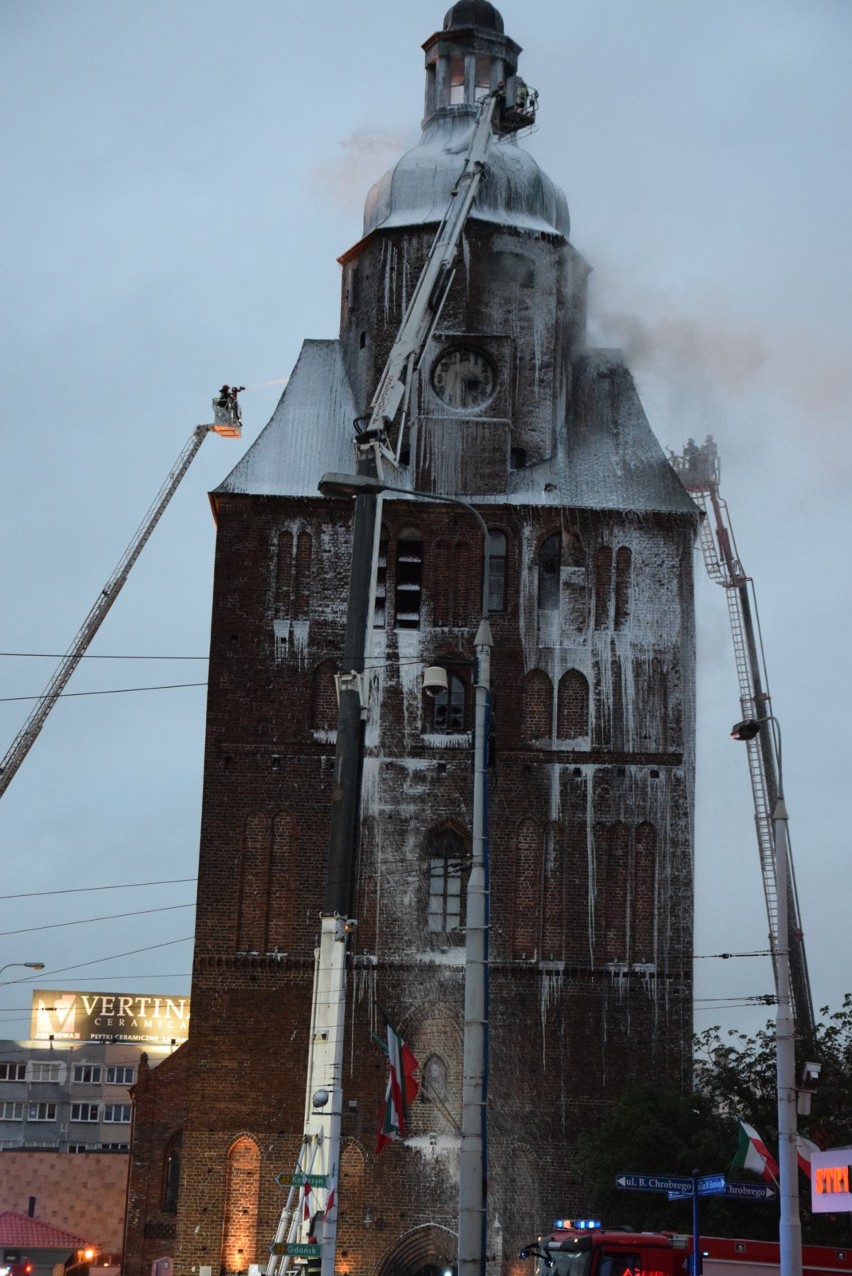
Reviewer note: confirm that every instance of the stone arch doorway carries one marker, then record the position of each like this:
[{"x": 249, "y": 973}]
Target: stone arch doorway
[{"x": 424, "y": 1251}]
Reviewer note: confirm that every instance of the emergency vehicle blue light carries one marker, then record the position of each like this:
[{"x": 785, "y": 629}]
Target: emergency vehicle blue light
[{"x": 578, "y": 1224}]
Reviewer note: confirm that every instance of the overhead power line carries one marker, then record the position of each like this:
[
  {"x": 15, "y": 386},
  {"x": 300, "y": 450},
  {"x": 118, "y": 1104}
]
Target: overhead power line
[
  {"x": 84, "y": 921},
  {"x": 121, "y": 886},
  {"x": 117, "y": 691},
  {"x": 58, "y": 655}
]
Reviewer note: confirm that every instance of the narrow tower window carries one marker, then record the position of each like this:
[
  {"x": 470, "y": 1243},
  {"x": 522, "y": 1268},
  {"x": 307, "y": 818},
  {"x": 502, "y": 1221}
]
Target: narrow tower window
[
  {"x": 548, "y": 574},
  {"x": 447, "y": 874},
  {"x": 622, "y": 586},
  {"x": 497, "y": 551},
  {"x": 409, "y": 579}
]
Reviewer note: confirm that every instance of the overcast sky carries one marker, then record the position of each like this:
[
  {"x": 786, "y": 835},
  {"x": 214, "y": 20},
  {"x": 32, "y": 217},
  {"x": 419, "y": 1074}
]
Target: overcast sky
[{"x": 179, "y": 181}]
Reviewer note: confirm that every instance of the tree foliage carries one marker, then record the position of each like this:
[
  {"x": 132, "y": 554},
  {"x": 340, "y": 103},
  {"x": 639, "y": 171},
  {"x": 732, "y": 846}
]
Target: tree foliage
[{"x": 656, "y": 1131}]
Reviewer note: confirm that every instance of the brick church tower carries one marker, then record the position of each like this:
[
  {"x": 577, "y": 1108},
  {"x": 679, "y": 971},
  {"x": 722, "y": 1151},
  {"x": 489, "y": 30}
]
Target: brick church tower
[{"x": 591, "y": 764}]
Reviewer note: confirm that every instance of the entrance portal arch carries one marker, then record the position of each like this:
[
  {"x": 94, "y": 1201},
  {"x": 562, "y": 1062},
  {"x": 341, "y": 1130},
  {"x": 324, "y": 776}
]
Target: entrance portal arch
[{"x": 429, "y": 1250}]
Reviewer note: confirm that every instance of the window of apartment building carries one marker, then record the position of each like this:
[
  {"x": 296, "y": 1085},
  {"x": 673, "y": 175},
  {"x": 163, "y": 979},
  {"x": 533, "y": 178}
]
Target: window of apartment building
[
  {"x": 121, "y": 1075},
  {"x": 79, "y": 1147},
  {"x": 114, "y": 1147},
  {"x": 11, "y": 1111},
  {"x": 13, "y": 1071},
  {"x": 42, "y": 1112},
  {"x": 87, "y": 1073},
  {"x": 117, "y": 1113},
  {"x": 45, "y": 1072},
  {"x": 84, "y": 1111}
]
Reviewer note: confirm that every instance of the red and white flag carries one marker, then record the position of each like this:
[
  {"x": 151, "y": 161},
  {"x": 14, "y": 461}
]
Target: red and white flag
[
  {"x": 804, "y": 1151},
  {"x": 753, "y": 1154},
  {"x": 400, "y": 1092}
]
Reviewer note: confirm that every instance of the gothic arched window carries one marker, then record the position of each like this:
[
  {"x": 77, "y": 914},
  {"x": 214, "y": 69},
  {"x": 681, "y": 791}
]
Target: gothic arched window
[
  {"x": 448, "y": 707},
  {"x": 497, "y": 553},
  {"x": 171, "y": 1174},
  {"x": 448, "y": 869},
  {"x": 239, "y": 1228},
  {"x": 549, "y": 556},
  {"x": 537, "y": 715},
  {"x": 409, "y": 579},
  {"x": 572, "y": 708},
  {"x": 623, "y": 561}
]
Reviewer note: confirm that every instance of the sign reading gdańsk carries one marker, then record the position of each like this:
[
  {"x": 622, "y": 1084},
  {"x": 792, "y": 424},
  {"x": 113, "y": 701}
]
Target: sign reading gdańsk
[
  {"x": 106, "y": 1016},
  {"x": 831, "y": 1181}
]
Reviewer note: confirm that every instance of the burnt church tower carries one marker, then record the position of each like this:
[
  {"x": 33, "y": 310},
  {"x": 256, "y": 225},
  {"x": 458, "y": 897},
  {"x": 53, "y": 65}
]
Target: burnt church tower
[{"x": 591, "y": 538}]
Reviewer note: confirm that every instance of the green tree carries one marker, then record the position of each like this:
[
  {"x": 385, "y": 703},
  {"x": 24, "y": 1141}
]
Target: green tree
[{"x": 655, "y": 1131}]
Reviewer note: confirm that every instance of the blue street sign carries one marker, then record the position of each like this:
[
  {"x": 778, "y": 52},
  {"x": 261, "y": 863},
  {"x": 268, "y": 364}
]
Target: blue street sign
[
  {"x": 653, "y": 1183},
  {"x": 711, "y": 1184},
  {"x": 751, "y": 1191}
]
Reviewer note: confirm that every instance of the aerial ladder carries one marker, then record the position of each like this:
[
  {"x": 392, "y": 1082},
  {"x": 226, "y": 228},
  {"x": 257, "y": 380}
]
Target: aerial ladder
[
  {"x": 698, "y": 468},
  {"x": 307, "y": 1227},
  {"x": 228, "y": 424}
]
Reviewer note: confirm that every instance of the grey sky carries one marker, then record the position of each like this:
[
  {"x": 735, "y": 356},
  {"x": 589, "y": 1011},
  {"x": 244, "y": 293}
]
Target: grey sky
[{"x": 179, "y": 182}]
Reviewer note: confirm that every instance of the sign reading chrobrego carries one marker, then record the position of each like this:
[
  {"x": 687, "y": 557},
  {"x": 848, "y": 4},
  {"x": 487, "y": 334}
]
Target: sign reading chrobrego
[{"x": 107, "y": 1016}]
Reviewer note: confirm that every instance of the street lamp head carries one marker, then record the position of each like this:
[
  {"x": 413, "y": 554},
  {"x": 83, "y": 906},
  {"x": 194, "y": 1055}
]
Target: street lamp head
[
  {"x": 745, "y": 730},
  {"x": 350, "y": 485},
  {"x": 34, "y": 965}
]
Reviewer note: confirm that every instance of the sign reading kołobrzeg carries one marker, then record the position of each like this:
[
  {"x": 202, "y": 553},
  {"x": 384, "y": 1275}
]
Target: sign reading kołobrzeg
[{"x": 106, "y": 1016}]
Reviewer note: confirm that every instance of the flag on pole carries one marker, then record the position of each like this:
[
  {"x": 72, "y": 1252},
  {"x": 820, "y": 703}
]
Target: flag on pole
[
  {"x": 400, "y": 1091},
  {"x": 753, "y": 1154},
  {"x": 804, "y": 1151}
]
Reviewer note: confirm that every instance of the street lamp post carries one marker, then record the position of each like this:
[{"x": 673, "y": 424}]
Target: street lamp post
[
  {"x": 789, "y": 1224},
  {"x": 30, "y": 965},
  {"x": 472, "y": 1160}
]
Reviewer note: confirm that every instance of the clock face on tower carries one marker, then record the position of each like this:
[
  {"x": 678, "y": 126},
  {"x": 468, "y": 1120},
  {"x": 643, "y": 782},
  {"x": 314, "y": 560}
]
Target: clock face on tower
[{"x": 463, "y": 378}]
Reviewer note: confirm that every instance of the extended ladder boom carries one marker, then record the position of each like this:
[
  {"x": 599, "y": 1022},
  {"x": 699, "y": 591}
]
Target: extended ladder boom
[
  {"x": 432, "y": 287},
  {"x": 28, "y": 733},
  {"x": 698, "y": 468}
]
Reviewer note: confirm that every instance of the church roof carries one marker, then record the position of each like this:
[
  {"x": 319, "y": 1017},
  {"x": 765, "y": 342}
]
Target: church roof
[
  {"x": 310, "y": 431},
  {"x": 605, "y": 457},
  {"x": 514, "y": 192}
]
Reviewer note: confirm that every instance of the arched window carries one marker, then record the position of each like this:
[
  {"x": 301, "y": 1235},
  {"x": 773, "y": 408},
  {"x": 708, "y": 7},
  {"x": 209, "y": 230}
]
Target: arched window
[
  {"x": 537, "y": 715},
  {"x": 324, "y": 697},
  {"x": 527, "y": 903},
  {"x": 380, "y": 609},
  {"x": 603, "y": 586},
  {"x": 616, "y": 886},
  {"x": 448, "y": 869},
  {"x": 302, "y": 592},
  {"x": 284, "y": 574},
  {"x": 644, "y": 893},
  {"x": 572, "y": 707},
  {"x": 239, "y": 1230},
  {"x": 549, "y": 555},
  {"x": 434, "y": 1073},
  {"x": 253, "y": 884},
  {"x": 497, "y": 552},
  {"x": 449, "y": 707},
  {"x": 171, "y": 1174},
  {"x": 623, "y": 560},
  {"x": 409, "y": 579}
]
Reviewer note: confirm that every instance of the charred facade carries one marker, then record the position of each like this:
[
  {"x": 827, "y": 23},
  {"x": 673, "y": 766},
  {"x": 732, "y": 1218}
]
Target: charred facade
[{"x": 591, "y": 778}]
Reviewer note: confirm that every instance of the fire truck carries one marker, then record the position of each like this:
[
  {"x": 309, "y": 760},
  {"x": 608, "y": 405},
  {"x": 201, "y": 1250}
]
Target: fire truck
[{"x": 585, "y": 1247}]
